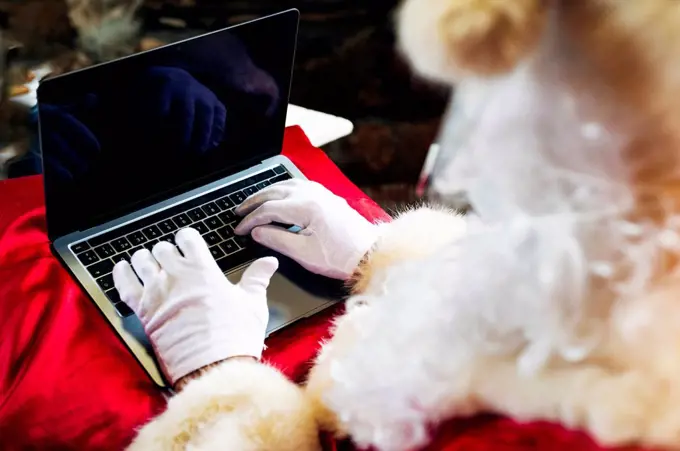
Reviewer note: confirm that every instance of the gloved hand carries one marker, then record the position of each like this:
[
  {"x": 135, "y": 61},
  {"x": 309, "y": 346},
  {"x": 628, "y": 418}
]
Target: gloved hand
[
  {"x": 192, "y": 314},
  {"x": 188, "y": 114},
  {"x": 68, "y": 146},
  {"x": 334, "y": 237}
]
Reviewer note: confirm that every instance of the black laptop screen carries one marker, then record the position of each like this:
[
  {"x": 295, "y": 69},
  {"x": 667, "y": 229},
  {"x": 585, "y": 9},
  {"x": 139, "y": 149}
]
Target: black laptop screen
[{"x": 123, "y": 135}]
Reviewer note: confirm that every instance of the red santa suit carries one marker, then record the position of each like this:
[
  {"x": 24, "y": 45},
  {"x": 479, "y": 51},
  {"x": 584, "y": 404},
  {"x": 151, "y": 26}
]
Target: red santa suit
[{"x": 554, "y": 301}]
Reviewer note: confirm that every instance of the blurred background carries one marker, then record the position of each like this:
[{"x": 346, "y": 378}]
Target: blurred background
[{"x": 346, "y": 65}]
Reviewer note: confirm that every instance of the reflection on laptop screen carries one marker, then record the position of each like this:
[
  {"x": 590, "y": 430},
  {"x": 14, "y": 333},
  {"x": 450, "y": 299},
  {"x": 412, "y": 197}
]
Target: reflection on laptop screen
[{"x": 124, "y": 135}]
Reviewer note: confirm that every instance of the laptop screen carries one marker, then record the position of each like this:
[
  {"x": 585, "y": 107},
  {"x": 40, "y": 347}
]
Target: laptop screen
[{"x": 126, "y": 134}]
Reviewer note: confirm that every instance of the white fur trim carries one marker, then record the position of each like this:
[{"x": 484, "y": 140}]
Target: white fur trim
[
  {"x": 414, "y": 233},
  {"x": 421, "y": 230},
  {"x": 238, "y": 405}
]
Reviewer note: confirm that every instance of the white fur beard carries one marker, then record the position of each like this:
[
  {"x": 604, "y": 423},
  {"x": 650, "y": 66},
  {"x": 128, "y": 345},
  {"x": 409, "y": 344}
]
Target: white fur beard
[{"x": 524, "y": 291}]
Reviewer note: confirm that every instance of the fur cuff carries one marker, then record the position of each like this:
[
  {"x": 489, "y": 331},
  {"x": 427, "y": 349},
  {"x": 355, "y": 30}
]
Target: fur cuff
[
  {"x": 413, "y": 234},
  {"x": 237, "y": 405}
]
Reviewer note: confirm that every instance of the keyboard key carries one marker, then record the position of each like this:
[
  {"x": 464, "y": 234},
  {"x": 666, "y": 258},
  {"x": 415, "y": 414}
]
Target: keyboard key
[
  {"x": 177, "y": 212},
  {"x": 213, "y": 223},
  {"x": 103, "y": 238},
  {"x": 227, "y": 216},
  {"x": 170, "y": 238},
  {"x": 136, "y": 238},
  {"x": 243, "y": 241},
  {"x": 121, "y": 257},
  {"x": 225, "y": 264},
  {"x": 99, "y": 269},
  {"x": 269, "y": 173},
  {"x": 123, "y": 310},
  {"x": 149, "y": 245},
  {"x": 182, "y": 220},
  {"x": 250, "y": 191},
  {"x": 167, "y": 226},
  {"x": 87, "y": 257},
  {"x": 279, "y": 170},
  {"x": 172, "y": 212},
  {"x": 237, "y": 198},
  {"x": 252, "y": 180},
  {"x": 105, "y": 251},
  {"x": 202, "y": 228},
  {"x": 113, "y": 296},
  {"x": 225, "y": 203},
  {"x": 196, "y": 214},
  {"x": 263, "y": 185},
  {"x": 226, "y": 232},
  {"x": 212, "y": 238},
  {"x": 236, "y": 259},
  {"x": 229, "y": 246},
  {"x": 80, "y": 247},
  {"x": 124, "y": 230},
  {"x": 280, "y": 178},
  {"x": 121, "y": 245},
  {"x": 216, "y": 252},
  {"x": 210, "y": 209},
  {"x": 152, "y": 232},
  {"x": 106, "y": 282}
]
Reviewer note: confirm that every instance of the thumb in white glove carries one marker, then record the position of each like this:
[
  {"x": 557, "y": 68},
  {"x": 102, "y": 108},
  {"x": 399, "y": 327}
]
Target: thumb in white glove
[
  {"x": 333, "y": 237},
  {"x": 192, "y": 314}
]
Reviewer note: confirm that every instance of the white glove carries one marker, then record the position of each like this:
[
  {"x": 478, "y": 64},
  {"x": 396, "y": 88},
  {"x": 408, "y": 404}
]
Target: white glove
[
  {"x": 333, "y": 237},
  {"x": 192, "y": 314}
]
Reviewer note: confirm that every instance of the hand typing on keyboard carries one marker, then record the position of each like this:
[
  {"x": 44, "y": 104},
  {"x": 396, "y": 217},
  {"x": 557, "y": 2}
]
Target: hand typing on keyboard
[
  {"x": 192, "y": 314},
  {"x": 333, "y": 236}
]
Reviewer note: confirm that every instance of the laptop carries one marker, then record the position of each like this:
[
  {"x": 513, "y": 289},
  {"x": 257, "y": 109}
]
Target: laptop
[{"x": 138, "y": 148}]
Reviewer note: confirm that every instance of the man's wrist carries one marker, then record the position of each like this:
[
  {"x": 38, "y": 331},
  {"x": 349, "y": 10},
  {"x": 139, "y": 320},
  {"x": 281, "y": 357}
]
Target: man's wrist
[
  {"x": 184, "y": 380},
  {"x": 356, "y": 276}
]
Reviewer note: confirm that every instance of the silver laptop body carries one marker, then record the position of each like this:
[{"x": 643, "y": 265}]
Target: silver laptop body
[{"x": 89, "y": 253}]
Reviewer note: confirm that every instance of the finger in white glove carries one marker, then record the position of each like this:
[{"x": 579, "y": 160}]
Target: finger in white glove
[
  {"x": 333, "y": 237},
  {"x": 192, "y": 314},
  {"x": 257, "y": 276},
  {"x": 128, "y": 285},
  {"x": 145, "y": 265}
]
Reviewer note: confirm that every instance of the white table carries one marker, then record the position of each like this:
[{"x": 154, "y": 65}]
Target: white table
[{"x": 321, "y": 128}]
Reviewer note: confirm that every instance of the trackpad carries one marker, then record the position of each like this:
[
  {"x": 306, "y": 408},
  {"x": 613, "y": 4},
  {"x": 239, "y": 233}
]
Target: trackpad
[{"x": 294, "y": 293}]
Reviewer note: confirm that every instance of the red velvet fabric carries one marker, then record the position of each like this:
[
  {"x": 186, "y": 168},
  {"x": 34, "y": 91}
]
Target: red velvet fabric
[{"x": 66, "y": 382}]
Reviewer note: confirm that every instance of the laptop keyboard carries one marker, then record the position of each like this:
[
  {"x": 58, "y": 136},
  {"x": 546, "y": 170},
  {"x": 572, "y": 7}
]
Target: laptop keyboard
[{"x": 211, "y": 214}]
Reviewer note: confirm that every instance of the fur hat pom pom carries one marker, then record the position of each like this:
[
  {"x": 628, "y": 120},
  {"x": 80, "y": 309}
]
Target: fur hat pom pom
[{"x": 445, "y": 40}]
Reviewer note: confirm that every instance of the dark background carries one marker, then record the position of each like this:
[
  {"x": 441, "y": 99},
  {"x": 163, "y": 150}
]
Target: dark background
[{"x": 346, "y": 65}]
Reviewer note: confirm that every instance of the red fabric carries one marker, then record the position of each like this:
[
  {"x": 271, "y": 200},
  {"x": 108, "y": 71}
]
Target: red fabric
[{"x": 66, "y": 382}]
